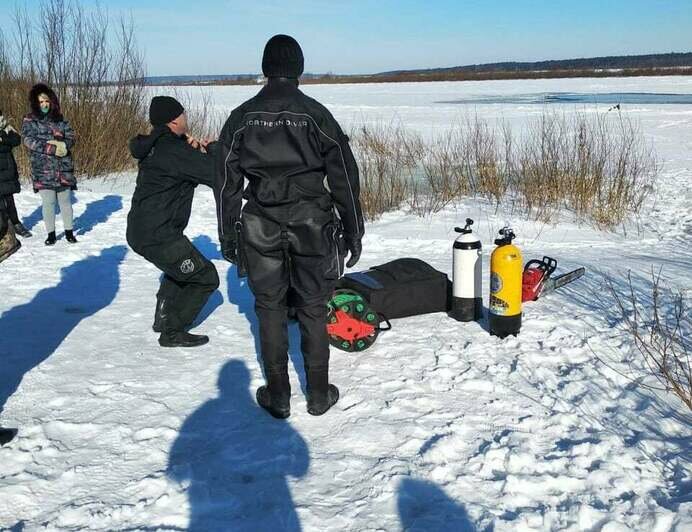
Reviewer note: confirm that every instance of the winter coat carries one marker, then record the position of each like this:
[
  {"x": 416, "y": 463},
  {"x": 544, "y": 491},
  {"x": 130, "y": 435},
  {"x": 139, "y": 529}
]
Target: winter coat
[
  {"x": 9, "y": 178},
  {"x": 285, "y": 143},
  {"x": 169, "y": 171},
  {"x": 48, "y": 171}
]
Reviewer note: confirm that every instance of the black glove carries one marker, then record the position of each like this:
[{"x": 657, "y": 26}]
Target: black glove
[
  {"x": 229, "y": 249},
  {"x": 355, "y": 248}
]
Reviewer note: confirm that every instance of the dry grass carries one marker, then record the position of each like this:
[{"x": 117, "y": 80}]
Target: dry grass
[
  {"x": 597, "y": 166},
  {"x": 387, "y": 157},
  {"x": 100, "y": 85}
]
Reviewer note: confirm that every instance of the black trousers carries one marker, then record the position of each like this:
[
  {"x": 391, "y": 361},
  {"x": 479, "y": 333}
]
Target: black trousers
[
  {"x": 11, "y": 208},
  {"x": 294, "y": 256},
  {"x": 188, "y": 281}
]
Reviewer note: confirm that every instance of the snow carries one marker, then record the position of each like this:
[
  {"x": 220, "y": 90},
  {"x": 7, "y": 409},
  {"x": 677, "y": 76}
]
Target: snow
[{"x": 440, "y": 426}]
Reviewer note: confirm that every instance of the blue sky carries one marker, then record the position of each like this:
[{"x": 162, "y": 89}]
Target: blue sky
[{"x": 366, "y": 36}]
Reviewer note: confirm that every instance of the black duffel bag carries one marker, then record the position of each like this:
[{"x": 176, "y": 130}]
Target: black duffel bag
[{"x": 402, "y": 288}]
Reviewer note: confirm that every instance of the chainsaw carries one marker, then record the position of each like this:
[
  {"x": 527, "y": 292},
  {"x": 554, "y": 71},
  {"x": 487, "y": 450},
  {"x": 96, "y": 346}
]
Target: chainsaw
[{"x": 537, "y": 280}]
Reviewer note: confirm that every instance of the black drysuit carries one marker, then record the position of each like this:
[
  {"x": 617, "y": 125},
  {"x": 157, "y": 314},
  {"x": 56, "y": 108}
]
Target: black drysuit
[
  {"x": 302, "y": 203},
  {"x": 169, "y": 171}
]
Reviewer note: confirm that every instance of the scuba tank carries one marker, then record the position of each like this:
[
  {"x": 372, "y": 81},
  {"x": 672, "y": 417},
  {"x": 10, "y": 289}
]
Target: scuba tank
[
  {"x": 467, "y": 302},
  {"x": 504, "y": 315}
]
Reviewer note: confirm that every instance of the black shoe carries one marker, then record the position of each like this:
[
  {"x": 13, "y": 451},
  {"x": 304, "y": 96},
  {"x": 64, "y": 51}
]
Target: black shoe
[
  {"x": 161, "y": 303},
  {"x": 318, "y": 406},
  {"x": 69, "y": 236},
  {"x": 6, "y": 435},
  {"x": 50, "y": 241},
  {"x": 280, "y": 410},
  {"x": 182, "y": 339},
  {"x": 21, "y": 230}
]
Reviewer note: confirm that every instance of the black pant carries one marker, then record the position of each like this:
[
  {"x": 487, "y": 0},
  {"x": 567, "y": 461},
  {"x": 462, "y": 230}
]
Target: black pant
[
  {"x": 11, "y": 208},
  {"x": 299, "y": 259},
  {"x": 189, "y": 279}
]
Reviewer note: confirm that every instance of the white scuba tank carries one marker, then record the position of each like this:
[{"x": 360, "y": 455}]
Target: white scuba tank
[{"x": 467, "y": 298}]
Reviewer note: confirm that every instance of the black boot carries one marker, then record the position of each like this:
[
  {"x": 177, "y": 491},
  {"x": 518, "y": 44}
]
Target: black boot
[
  {"x": 50, "y": 241},
  {"x": 181, "y": 339},
  {"x": 159, "y": 314},
  {"x": 319, "y": 405},
  {"x": 6, "y": 435},
  {"x": 69, "y": 236},
  {"x": 21, "y": 230},
  {"x": 279, "y": 407}
]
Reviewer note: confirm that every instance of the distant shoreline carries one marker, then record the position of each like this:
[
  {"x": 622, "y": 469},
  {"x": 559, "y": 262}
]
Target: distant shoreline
[{"x": 417, "y": 77}]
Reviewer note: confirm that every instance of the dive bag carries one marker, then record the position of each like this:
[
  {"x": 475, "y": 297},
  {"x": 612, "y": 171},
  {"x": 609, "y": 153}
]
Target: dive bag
[
  {"x": 363, "y": 302},
  {"x": 401, "y": 288}
]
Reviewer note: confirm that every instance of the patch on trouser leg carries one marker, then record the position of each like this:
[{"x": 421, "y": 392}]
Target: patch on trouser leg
[{"x": 187, "y": 266}]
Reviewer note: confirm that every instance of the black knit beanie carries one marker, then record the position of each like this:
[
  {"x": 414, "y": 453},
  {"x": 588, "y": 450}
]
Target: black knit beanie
[
  {"x": 164, "y": 109},
  {"x": 282, "y": 58}
]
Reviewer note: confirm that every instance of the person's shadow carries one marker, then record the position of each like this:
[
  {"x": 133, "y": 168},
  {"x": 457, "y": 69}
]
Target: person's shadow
[
  {"x": 233, "y": 460},
  {"x": 34, "y": 218},
  {"x": 97, "y": 212},
  {"x": 424, "y": 507},
  {"x": 33, "y": 331}
]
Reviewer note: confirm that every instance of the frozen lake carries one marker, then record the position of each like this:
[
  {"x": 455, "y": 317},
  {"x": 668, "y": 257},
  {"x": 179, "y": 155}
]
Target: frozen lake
[{"x": 662, "y": 105}]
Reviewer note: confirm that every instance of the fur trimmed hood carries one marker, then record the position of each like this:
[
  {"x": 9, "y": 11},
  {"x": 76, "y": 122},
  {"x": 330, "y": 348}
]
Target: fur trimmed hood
[{"x": 55, "y": 113}]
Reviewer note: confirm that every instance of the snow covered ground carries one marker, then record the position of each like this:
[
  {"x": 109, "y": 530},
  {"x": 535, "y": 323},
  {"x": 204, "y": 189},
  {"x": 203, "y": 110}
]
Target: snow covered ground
[{"x": 440, "y": 426}]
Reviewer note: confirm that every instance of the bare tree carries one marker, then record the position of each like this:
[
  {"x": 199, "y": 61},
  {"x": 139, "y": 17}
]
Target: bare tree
[{"x": 96, "y": 69}]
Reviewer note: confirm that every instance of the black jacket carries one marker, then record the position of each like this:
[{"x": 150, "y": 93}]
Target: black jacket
[
  {"x": 285, "y": 143},
  {"x": 169, "y": 171},
  {"x": 9, "y": 178}
]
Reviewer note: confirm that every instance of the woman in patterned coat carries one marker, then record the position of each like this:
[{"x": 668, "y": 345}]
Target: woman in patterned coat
[{"x": 50, "y": 139}]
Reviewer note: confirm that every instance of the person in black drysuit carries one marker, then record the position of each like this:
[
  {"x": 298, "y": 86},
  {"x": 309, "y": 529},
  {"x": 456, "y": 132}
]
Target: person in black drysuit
[
  {"x": 296, "y": 225},
  {"x": 170, "y": 167}
]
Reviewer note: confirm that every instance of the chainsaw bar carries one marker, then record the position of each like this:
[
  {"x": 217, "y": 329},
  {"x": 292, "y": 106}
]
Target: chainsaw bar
[{"x": 554, "y": 283}]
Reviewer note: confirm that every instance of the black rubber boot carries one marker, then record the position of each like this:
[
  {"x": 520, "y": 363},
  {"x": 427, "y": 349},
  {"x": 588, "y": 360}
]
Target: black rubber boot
[
  {"x": 50, "y": 241},
  {"x": 280, "y": 407},
  {"x": 21, "y": 230},
  {"x": 159, "y": 314},
  {"x": 69, "y": 236},
  {"x": 319, "y": 405},
  {"x": 6, "y": 435},
  {"x": 182, "y": 339}
]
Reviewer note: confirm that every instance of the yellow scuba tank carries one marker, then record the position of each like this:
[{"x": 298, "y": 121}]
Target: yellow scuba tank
[{"x": 504, "y": 314}]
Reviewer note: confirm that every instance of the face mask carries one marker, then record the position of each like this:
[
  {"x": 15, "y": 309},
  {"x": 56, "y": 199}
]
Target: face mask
[{"x": 44, "y": 105}]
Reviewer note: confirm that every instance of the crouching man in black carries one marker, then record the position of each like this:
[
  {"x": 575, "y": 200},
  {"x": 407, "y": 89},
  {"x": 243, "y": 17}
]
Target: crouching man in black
[
  {"x": 169, "y": 170},
  {"x": 296, "y": 224}
]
